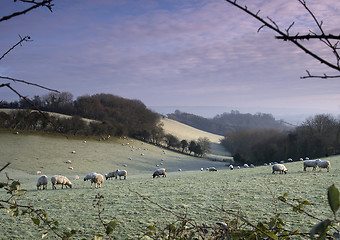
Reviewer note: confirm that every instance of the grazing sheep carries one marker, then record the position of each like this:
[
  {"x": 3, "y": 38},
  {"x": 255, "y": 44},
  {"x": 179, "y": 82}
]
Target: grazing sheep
[
  {"x": 279, "y": 168},
  {"x": 121, "y": 173},
  {"x": 76, "y": 177},
  {"x": 310, "y": 163},
  {"x": 68, "y": 161},
  {"x": 89, "y": 176},
  {"x": 252, "y": 165},
  {"x": 202, "y": 169},
  {"x": 323, "y": 164},
  {"x": 74, "y": 152},
  {"x": 231, "y": 167},
  {"x": 58, "y": 179},
  {"x": 42, "y": 181},
  {"x": 98, "y": 179},
  {"x": 211, "y": 169},
  {"x": 38, "y": 172},
  {"x": 110, "y": 175},
  {"x": 159, "y": 172},
  {"x": 246, "y": 165}
]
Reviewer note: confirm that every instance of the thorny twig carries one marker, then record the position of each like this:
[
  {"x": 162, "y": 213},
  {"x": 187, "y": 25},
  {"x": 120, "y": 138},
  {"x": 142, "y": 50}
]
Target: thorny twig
[{"x": 22, "y": 39}]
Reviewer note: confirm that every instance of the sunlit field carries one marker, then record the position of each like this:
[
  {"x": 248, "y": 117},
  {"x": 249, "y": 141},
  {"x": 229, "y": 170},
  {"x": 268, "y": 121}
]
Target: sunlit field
[{"x": 199, "y": 195}]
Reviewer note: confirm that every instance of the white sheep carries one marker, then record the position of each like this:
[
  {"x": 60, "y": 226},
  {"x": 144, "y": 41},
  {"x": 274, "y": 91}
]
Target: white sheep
[
  {"x": 245, "y": 165},
  {"x": 310, "y": 163},
  {"x": 279, "y": 168},
  {"x": 97, "y": 179},
  {"x": 159, "y": 172},
  {"x": 231, "y": 167},
  {"x": 42, "y": 181},
  {"x": 211, "y": 169},
  {"x": 323, "y": 164},
  {"x": 121, "y": 173},
  {"x": 58, "y": 179},
  {"x": 89, "y": 176}
]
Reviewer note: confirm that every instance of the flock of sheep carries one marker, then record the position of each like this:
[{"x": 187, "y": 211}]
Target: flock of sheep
[
  {"x": 318, "y": 163},
  {"x": 96, "y": 178}
]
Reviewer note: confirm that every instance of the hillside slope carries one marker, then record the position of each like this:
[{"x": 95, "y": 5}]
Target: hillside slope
[{"x": 183, "y": 131}]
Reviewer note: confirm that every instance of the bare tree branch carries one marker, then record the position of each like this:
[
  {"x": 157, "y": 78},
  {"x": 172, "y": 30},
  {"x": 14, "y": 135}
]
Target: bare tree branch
[
  {"x": 44, "y": 3},
  {"x": 24, "y": 39},
  {"x": 325, "y": 38},
  {"x": 29, "y": 83},
  {"x": 308, "y": 37},
  {"x": 4, "y": 167}
]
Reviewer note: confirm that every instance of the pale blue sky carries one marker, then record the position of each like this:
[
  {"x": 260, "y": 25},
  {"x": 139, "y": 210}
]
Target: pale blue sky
[{"x": 171, "y": 53}]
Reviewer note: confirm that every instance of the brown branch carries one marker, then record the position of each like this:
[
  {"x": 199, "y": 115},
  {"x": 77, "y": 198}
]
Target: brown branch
[
  {"x": 37, "y": 212},
  {"x": 44, "y": 3},
  {"x": 25, "y": 39},
  {"x": 29, "y": 83},
  {"x": 4, "y": 167},
  {"x": 34, "y": 106},
  {"x": 168, "y": 210},
  {"x": 308, "y": 37},
  {"x": 275, "y": 28},
  {"x": 319, "y": 24},
  {"x": 325, "y": 76}
]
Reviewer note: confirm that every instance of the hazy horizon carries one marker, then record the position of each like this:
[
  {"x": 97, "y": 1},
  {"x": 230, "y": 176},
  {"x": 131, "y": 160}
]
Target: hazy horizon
[
  {"x": 174, "y": 53},
  {"x": 293, "y": 116}
]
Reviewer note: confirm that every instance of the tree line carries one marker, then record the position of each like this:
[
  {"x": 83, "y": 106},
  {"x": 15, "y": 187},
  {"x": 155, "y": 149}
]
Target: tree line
[
  {"x": 230, "y": 122},
  {"x": 107, "y": 114},
  {"x": 114, "y": 115},
  {"x": 316, "y": 137}
]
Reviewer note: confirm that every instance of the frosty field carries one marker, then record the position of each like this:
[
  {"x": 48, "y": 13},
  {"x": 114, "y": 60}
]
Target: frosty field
[{"x": 199, "y": 194}]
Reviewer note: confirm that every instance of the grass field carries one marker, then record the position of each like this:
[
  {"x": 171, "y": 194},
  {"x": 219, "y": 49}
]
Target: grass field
[{"x": 199, "y": 194}]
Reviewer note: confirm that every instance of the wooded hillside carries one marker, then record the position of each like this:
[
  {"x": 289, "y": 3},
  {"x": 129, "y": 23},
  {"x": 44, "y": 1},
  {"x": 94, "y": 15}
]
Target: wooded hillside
[{"x": 229, "y": 122}]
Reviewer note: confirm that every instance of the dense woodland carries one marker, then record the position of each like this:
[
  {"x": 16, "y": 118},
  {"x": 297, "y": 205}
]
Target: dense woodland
[
  {"x": 115, "y": 115},
  {"x": 230, "y": 122},
  {"x": 316, "y": 137}
]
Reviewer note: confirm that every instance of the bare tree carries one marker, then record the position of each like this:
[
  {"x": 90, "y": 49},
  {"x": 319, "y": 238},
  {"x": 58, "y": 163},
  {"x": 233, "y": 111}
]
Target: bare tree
[
  {"x": 329, "y": 41},
  {"x": 33, "y": 4}
]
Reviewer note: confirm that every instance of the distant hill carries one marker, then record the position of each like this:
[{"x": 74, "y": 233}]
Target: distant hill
[{"x": 232, "y": 121}]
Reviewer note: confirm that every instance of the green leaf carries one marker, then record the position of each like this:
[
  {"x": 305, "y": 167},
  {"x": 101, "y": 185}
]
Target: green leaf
[
  {"x": 333, "y": 198},
  {"x": 151, "y": 228},
  {"x": 36, "y": 221},
  {"x": 320, "y": 228},
  {"x": 272, "y": 235},
  {"x": 110, "y": 227}
]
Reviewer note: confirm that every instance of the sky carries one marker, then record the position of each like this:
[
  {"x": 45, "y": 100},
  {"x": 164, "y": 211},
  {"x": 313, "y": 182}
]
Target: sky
[{"x": 204, "y": 57}]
